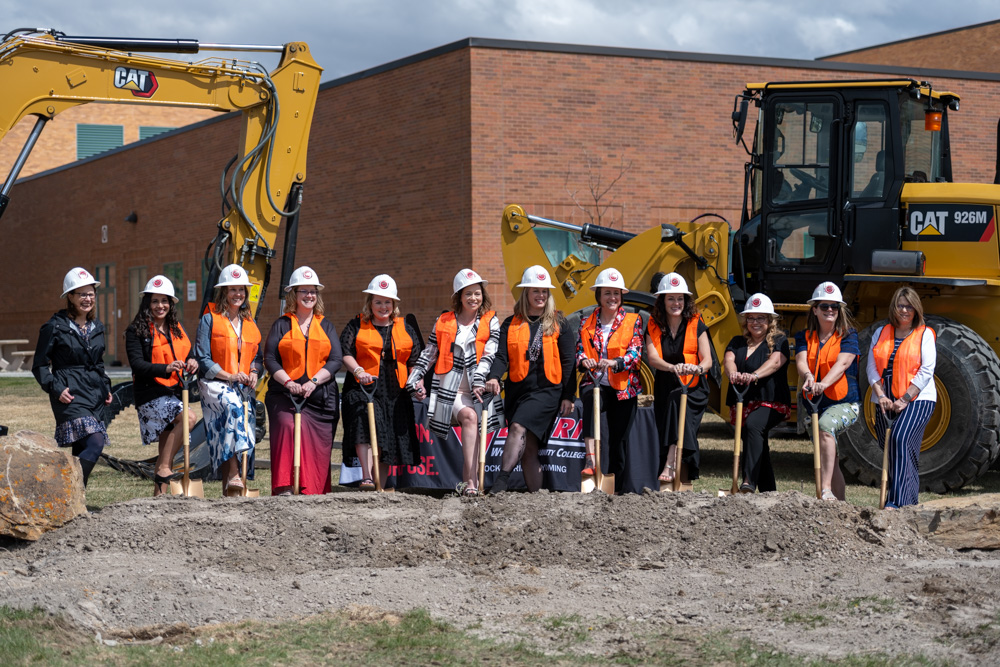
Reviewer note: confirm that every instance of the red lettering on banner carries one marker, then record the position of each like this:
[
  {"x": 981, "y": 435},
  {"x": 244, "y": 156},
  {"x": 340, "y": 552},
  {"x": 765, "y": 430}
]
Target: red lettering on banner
[
  {"x": 502, "y": 433},
  {"x": 578, "y": 430},
  {"x": 425, "y": 467},
  {"x": 430, "y": 465},
  {"x": 423, "y": 434},
  {"x": 562, "y": 428}
]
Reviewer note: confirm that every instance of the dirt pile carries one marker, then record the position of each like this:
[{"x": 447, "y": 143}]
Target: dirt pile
[{"x": 784, "y": 569}]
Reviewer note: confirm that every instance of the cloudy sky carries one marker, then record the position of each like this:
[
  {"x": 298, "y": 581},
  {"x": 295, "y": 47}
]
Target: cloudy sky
[{"x": 348, "y": 36}]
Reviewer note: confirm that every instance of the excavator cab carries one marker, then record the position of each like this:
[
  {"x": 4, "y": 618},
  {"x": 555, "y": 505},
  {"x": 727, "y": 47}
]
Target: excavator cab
[{"x": 826, "y": 171}]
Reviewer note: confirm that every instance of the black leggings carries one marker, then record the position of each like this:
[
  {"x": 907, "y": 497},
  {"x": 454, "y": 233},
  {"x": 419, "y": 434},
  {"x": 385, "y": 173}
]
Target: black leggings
[
  {"x": 756, "y": 454},
  {"x": 620, "y": 416},
  {"x": 89, "y": 448}
]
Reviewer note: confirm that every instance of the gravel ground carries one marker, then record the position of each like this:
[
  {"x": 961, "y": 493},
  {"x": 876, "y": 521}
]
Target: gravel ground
[{"x": 803, "y": 576}]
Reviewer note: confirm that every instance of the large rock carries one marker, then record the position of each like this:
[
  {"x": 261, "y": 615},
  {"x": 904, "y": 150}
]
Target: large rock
[
  {"x": 41, "y": 486},
  {"x": 970, "y": 522}
]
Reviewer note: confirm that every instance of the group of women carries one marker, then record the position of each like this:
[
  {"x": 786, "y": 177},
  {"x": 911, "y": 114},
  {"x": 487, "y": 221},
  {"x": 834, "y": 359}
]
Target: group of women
[{"x": 469, "y": 352}]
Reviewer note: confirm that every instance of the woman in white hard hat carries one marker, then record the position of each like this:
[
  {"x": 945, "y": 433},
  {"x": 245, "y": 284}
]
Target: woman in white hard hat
[
  {"x": 302, "y": 356},
  {"x": 826, "y": 357},
  {"x": 610, "y": 345},
  {"x": 536, "y": 352},
  {"x": 901, "y": 362},
  {"x": 678, "y": 348},
  {"x": 230, "y": 361},
  {"x": 379, "y": 345},
  {"x": 69, "y": 366},
  {"x": 757, "y": 360},
  {"x": 460, "y": 351},
  {"x": 159, "y": 351}
]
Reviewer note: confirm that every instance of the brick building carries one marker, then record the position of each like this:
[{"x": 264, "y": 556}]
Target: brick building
[{"x": 411, "y": 164}]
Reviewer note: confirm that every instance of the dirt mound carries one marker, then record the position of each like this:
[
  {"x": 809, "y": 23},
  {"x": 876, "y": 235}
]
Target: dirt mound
[{"x": 746, "y": 564}]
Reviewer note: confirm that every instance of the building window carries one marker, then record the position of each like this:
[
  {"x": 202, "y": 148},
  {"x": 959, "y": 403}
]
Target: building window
[
  {"x": 175, "y": 272},
  {"x": 136, "y": 283},
  {"x": 94, "y": 139},
  {"x": 147, "y": 131}
]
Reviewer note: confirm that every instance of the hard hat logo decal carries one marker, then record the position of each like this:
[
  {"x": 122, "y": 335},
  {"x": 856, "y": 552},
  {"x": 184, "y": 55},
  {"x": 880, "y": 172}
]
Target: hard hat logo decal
[
  {"x": 157, "y": 283},
  {"x": 540, "y": 276},
  {"x": 613, "y": 277},
  {"x": 470, "y": 274},
  {"x": 141, "y": 82},
  {"x": 384, "y": 284},
  {"x": 236, "y": 273},
  {"x": 83, "y": 274},
  {"x": 674, "y": 282},
  {"x": 307, "y": 274},
  {"x": 756, "y": 302},
  {"x": 829, "y": 288}
]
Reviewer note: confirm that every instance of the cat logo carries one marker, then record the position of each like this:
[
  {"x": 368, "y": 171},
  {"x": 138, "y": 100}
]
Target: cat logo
[
  {"x": 928, "y": 223},
  {"x": 141, "y": 82}
]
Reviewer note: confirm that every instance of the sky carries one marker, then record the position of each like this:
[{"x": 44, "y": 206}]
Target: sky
[{"x": 348, "y": 36}]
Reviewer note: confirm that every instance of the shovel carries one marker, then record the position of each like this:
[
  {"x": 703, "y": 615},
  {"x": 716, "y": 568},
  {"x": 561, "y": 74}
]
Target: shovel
[
  {"x": 737, "y": 441},
  {"x": 814, "y": 409},
  {"x": 297, "y": 403},
  {"x": 676, "y": 485},
  {"x": 481, "y": 413},
  {"x": 247, "y": 492},
  {"x": 370, "y": 398},
  {"x": 606, "y": 483},
  {"x": 883, "y": 494},
  {"x": 191, "y": 488}
]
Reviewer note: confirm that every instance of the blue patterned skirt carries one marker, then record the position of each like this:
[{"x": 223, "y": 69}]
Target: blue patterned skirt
[{"x": 225, "y": 420}]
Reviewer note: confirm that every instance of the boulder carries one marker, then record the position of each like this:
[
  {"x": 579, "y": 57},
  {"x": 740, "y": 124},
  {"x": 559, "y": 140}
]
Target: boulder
[
  {"x": 969, "y": 522},
  {"x": 41, "y": 486}
]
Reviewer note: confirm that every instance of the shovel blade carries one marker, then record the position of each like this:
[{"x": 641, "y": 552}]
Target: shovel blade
[
  {"x": 587, "y": 484},
  {"x": 724, "y": 492},
  {"x": 196, "y": 489},
  {"x": 608, "y": 484},
  {"x": 251, "y": 493}
]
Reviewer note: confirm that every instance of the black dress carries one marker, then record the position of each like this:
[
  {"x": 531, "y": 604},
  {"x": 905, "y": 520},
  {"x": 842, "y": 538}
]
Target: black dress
[
  {"x": 667, "y": 402},
  {"x": 759, "y": 417},
  {"x": 534, "y": 401},
  {"x": 394, "y": 420}
]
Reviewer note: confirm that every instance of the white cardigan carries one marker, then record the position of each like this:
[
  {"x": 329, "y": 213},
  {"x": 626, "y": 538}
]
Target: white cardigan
[{"x": 924, "y": 377}]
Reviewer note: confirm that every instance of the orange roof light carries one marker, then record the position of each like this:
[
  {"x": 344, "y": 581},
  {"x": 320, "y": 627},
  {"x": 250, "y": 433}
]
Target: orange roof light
[{"x": 932, "y": 120}]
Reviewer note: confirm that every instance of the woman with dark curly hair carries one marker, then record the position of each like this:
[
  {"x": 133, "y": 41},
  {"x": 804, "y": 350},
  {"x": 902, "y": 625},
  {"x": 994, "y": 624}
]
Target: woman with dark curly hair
[
  {"x": 158, "y": 351},
  {"x": 677, "y": 347}
]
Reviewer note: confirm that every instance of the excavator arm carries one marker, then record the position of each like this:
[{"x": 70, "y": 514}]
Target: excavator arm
[{"x": 43, "y": 74}]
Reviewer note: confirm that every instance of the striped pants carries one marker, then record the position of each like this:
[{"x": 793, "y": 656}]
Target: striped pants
[{"x": 904, "y": 451}]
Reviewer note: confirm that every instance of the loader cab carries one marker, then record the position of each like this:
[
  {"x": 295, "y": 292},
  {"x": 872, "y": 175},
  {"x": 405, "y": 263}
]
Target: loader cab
[{"x": 827, "y": 168}]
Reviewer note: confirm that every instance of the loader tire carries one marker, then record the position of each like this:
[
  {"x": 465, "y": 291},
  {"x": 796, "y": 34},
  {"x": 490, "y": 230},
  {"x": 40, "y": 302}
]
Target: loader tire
[{"x": 960, "y": 441}]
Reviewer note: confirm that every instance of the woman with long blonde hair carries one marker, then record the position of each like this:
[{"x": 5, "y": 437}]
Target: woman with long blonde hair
[{"x": 537, "y": 354}]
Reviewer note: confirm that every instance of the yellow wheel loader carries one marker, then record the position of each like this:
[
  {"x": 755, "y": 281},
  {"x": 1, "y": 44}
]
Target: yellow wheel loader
[{"x": 848, "y": 181}]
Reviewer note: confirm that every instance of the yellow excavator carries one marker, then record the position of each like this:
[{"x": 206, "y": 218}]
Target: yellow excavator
[
  {"x": 849, "y": 181},
  {"x": 45, "y": 72}
]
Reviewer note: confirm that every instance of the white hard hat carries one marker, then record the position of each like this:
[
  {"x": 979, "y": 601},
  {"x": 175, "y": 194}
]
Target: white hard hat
[
  {"x": 77, "y": 278},
  {"x": 673, "y": 283},
  {"x": 610, "y": 278},
  {"x": 759, "y": 303},
  {"x": 303, "y": 276},
  {"x": 827, "y": 291},
  {"x": 233, "y": 275},
  {"x": 382, "y": 285},
  {"x": 464, "y": 278},
  {"x": 536, "y": 276},
  {"x": 160, "y": 285}
]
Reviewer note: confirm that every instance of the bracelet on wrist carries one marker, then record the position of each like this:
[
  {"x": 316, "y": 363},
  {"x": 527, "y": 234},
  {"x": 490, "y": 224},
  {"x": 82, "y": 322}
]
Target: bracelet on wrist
[{"x": 286, "y": 382}]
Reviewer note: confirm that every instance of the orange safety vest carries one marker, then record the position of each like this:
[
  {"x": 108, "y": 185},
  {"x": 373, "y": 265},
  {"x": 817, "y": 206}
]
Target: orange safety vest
[
  {"x": 301, "y": 356},
  {"x": 235, "y": 354},
  {"x": 369, "y": 343},
  {"x": 446, "y": 330},
  {"x": 690, "y": 344},
  {"x": 518, "y": 342},
  {"x": 617, "y": 345},
  {"x": 822, "y": 359},
  {"x": 167, "y": 351},
  {"x": 907, "y": 361}
]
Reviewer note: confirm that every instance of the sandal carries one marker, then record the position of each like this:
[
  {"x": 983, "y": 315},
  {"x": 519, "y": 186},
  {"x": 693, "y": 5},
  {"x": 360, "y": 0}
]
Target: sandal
[
  {"x": 668, "y": 474},
  {"x": 367, "y": 484},
  {"x": 588, "y": 467},
  {"x": 234, "y": 487},
  {"x": 470, "y": 492}
]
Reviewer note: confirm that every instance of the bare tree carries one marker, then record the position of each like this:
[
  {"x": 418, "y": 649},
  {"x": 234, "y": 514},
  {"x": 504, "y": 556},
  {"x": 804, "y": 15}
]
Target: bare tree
[{"x": 598, "y": 202}]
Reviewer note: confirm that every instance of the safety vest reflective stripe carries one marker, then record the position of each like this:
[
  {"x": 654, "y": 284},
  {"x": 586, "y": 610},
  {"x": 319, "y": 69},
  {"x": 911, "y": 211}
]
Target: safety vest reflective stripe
[
  {"x": 822, "y": 359},
  {"x": 907, "y": 362},
  {"x": 163, "y": 353},
  {"x": 617, "y": 345},
  {"x": 690, "y": 350},
  {"x": 446, "y": 330},
  {"x": 301, "y": 356},
  {"x": 235, "y": 354},
  {"x": 518, "y": 342},
  {"x": 368, "y": 346}
]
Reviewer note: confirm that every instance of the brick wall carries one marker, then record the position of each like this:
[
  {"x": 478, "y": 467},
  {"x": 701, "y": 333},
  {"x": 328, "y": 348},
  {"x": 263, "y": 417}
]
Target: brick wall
[{"x": 410, "y": 168}]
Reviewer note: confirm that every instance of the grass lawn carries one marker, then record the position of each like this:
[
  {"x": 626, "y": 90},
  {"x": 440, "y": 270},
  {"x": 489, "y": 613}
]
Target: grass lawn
[{"x": 24, "y": 406}]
